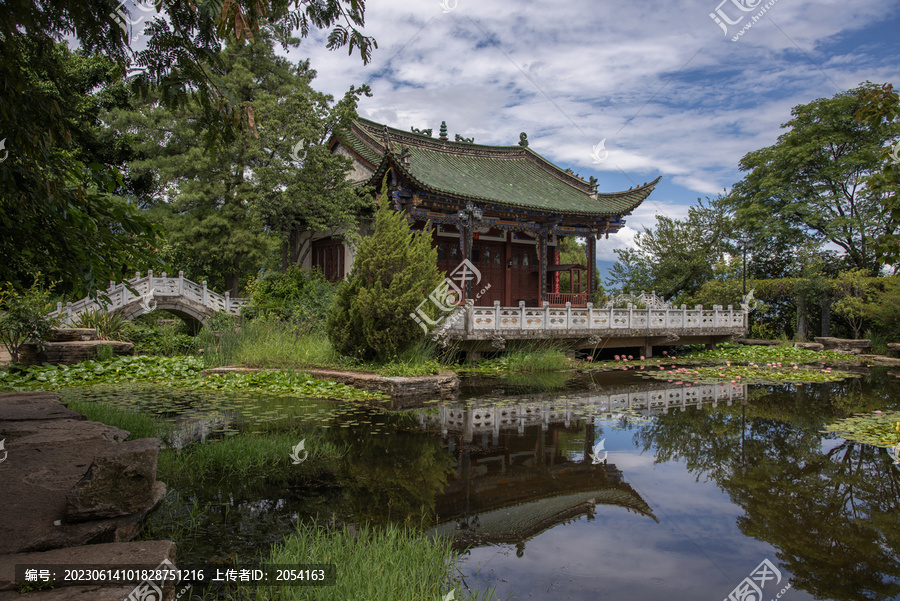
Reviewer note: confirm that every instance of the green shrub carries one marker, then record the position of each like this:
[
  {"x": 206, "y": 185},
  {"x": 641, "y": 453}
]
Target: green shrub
[
  {"x": 296, "y": 296},
  {"x": 109, "y": 326},
  {"x": 393, "y": 272},
  {"x": 24, "y": 316}
]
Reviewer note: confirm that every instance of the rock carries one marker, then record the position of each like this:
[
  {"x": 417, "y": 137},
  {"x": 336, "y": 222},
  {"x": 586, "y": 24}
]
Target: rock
[
  {"x": 810, "y": 346},
  {"x": 443, "y": 385},
  {"x": 757, "y": 342},
  {"x": 69, "y": 353},
  {"x": 148, "y": 553},
  {"x": 49, "y": 450},
  {"x": 119, "y": 481},
  {"x": 843, "y": 344},
  {"x": 72, "y": 335}
]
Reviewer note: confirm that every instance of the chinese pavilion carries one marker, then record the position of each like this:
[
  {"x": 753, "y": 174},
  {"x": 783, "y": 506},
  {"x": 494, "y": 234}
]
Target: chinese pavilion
[{"x": 504, "y": 208}]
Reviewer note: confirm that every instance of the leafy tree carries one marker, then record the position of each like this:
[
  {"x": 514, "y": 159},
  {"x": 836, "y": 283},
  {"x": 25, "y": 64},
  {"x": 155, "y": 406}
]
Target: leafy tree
[
  {"x": 881, "y": 106},
  {"x": 297, "y": 295},
  {"x": 62, "y": 212},
  {"x": 677, "y": 256},
  {"x": 812, "y": 182},
  {"x": 853, "y": 289},
  {"x": 229, "y": 207},
  {"x": 23, "y": 317},
  {"x": 573, "y": 251},
  {"x": 59, "y": 211},
  {"x": 884, "y": 310},
  {"x": 393, "y": 272}
]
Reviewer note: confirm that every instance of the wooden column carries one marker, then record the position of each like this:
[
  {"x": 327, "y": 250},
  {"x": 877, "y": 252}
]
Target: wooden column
[
  {"x": 542, "y": 259},
  {"x": 591, "y": 265},
  {"x": 507, "y": 260},
  {"x": 466, "y": 230}
]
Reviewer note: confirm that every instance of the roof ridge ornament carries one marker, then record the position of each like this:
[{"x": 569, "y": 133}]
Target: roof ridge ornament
[
  {"x": 404, "y": 156},
  {"x": 421, "y": 132},
  {"x": 387, "y": 138},
  {"x": 444, "y": 131},
  {"x": 523, "y": 140},
  {"x": 459, "y": 138}
]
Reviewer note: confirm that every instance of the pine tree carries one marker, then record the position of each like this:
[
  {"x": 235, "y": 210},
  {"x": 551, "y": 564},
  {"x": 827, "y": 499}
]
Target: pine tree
[{"x": 394, "y": 270}]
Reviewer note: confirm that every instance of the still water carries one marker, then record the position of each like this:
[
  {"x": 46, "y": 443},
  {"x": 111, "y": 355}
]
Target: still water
[{"x": 606, "y": 487}]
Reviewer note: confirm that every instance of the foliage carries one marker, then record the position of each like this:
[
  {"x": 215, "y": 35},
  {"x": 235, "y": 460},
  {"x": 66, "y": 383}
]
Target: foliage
[
  {"x": 749, "y": 374},
  {"x": 882, "y": 106},
  {"x": 231, "y": 207},
  {"x": 298, "y": 296},
  {"x": 767, "y": 354},
  {"x": 168, "y": 340},
  {"x": 884, "y": 310},
  {"x": 573, "y": 251},
  {"x": 880, "y": 429},
  {"x": 177, "y": 372},
  {"x": 245, "y": 457},
  {"x": 266, "y": 343},
  {"x": 810, "y": 185},
  {"x": 393, "y": 272},
  {"x": 109, "y": 326},
  {"x": 420, "y": 567},
  {"x": 677, "y": 256},
  {"x": 64, "y": 211},
  {"x": 853, "y": 295},
  {"x": 137, "y": 423},
  {"x": 24, "y": 316}
]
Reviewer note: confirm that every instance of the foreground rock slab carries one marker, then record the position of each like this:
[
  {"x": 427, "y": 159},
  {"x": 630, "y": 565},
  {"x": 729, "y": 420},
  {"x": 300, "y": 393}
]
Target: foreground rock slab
[
  {"x": 843, "y": 344},
  {"x": 148, "y": 553},
  {"x": 49, "y": 450}
]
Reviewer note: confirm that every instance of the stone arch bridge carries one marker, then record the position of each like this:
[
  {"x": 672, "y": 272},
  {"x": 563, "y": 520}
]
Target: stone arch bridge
[{"x": 190, "y": 301}]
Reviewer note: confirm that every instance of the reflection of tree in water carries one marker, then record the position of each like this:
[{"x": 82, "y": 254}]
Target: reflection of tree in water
[
  {"x": 392, "y": 478},
  {"x": 834, "y": 515}
]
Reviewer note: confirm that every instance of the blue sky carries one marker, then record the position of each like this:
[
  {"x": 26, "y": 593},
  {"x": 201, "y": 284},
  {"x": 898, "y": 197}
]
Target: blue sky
[{"x": 669, "y": 92}]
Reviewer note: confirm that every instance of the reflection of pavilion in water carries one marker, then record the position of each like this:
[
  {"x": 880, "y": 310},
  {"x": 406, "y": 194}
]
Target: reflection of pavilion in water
[{"x": 515, "y": 480}]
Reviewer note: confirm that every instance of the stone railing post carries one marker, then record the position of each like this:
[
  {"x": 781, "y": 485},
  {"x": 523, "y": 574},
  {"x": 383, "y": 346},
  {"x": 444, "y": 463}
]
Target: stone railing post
[
  {"x": 203, "y": 295},
  {"x": 590, "y": 314},
  {"x": 470, "y": 316},
  {"x": 546, "y": 323},
  {"x": 228, "y": 302},
  {"x": 568, "y": 316},
  {"x": 631, "y": 315},
  {"x": 180, "y": 283},
  {"x": 496, "y": 315},
  {"x": 521, "y": 315}
]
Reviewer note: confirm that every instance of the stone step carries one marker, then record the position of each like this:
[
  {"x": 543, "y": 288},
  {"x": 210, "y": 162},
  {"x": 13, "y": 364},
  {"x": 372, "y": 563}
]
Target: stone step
[
  {"x": 69, "y": 353},
  {"x": 73, "y": 335},
  {"x": 843, "y": 344},
  {"x": 109, "y": 555}
]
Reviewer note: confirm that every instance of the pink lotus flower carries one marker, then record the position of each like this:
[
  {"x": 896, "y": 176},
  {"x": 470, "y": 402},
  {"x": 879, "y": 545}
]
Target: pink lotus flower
[
  {"x": 617, "y": 357},
  {"x": 642, "y": 357}
]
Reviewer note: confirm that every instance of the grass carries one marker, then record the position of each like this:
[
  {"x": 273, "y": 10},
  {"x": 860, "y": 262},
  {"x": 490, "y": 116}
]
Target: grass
[
  {"x": 138, "y": 424},
  {"x": 384, "y": 563},
  {"x": 266, "y": 457}
]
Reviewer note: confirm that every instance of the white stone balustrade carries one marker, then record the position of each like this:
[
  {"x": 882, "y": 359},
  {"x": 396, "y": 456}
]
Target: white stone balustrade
[{"x": 150, "y": 289}]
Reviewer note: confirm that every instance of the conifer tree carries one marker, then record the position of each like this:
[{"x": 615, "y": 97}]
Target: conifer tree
[{"x": 394, "y": 270}]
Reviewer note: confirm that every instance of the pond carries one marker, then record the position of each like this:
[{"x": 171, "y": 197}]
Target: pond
[{"x": 608, "y": 486}]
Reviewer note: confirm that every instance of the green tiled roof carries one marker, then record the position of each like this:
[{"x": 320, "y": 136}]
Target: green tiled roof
[{"x": 514, "y": 176}]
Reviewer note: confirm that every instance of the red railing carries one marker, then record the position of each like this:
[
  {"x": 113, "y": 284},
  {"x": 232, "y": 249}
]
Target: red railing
[{"x": 559, "y": 299}]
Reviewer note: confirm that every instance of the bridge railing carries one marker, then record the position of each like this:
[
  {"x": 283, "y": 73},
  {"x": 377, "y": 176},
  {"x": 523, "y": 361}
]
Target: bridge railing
[
  {"x": 549, "y": 318},
  {"x": 149, "y": 287}
]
